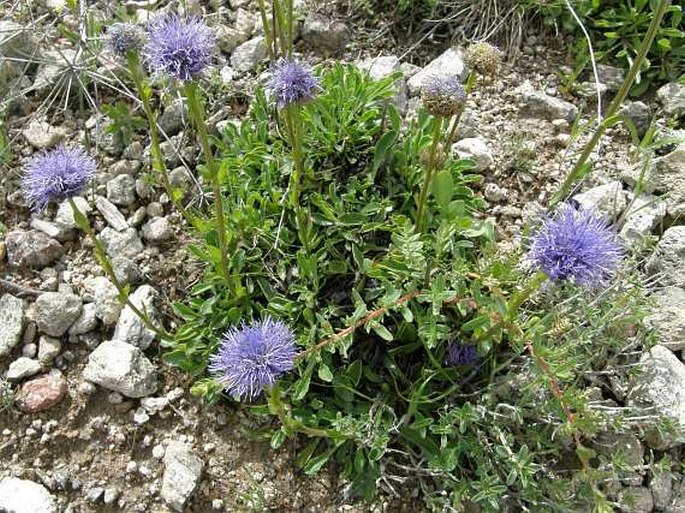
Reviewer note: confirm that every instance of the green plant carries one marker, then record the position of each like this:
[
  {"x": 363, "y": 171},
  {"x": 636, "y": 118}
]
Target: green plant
[
  {"x": 124, "y": 124},
  {"x": 7, "y": 396}
]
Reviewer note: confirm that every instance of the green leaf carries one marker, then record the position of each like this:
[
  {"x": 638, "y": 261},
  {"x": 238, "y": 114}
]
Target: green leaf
[
  {"x": 443, "y": 185},
  {"x": 325, "y": 373},
  {"x": 302, "y": 384}
]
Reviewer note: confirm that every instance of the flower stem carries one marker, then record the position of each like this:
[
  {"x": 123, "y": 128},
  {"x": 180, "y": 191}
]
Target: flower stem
[
  {"x": 429, "y": 172},
  {"x": 197, "y": 116},
  {"x": 293, "y": 124},
  {"x": 104, "y": 261},
  {"x": 268, "y": 34},
  {"x": 158, "y": 165},
  {"x": 621, "y": 95}
]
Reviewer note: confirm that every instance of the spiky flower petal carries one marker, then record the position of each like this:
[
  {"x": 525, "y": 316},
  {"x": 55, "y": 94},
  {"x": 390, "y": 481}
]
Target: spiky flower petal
[
  {"x": 292, "y": 82},
  {"x": 443, "y": 96},
  {"x": 460, "y": 354},
  {"x": 56, "y": 175},
  {"x": 483, "y": 58},
  {"x": 251, "y": 357},
  {"x": 181, "y": 49},
  {"x": 577, "y": 246},
  {"x": 123, "y": 38}
]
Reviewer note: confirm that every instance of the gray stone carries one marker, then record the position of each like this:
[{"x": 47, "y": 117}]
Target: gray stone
[
  {"x": 23, "y": 496},
  {"x": 111, "y": 213},
  {"x": 324, "y": 34},
  {"x": 677, "y": 505},
  {"x": 672, "y": 99},
  {"x": 494, "y": 193},
  {"x": 611, "y": 76},
  {"x": 180, "y": 179},
  {"x": 449, "y": 63},
  {"x": 158, "y": 229},
  {"x": 661, "y": 486},
  {"x": 248, "y": 55},
  {"x": 65, "y": 216},
  {"x": 121, "y": 367},
  {"x": 86, "y": 322},
  {"x": 380, "y": 67},
  {"x": 42, "y": 135},
  {"x": 629, "y": 448},
  {"x": 48, "y": 349},
  {"x": 475, "y": 149},
  {"x": 17, "y": 41},
  {"x": 645, "y": 213},
  {"x": 668, "y": 259},
  {"x": 126, "y": 270},
  {"x": 56, "y": 312},
  {"x": 121, "y": 244},
  {"x": 124, "y": 167},
  {"x": 95, "y": 494},
  {"x": 130, "y": 328},
  {"x": 31, "y": 249},
  {"x": 661, "y": 385},
  {"x": 668, "y": 317},
  {"x": 106, "y": 298},
  {"x": 121, "y": 190},
  {"x": 635, "y": 499},
  {"x": 154, "y": 405},
  {"x": 608, "y": 199},
  {"x": 12, "y": 316},
  {"x": 56, "y": 66},
  {"x": 102, "y": 137},
  {"x": 50, "y": 229},
  {"x": 111, "y": 494},
  {"x": 540, "y": 104},
  {"x": 182, "y": 472},
  {"x": 228, "y": 38},
  {"x": 639, "y": 114},
  {"x": 22, "y": 368},
  {"x": 173, "y": 118}
]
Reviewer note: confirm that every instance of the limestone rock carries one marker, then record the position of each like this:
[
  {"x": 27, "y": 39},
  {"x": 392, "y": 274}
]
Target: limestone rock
[
  {"x": 22, "y": 368},
  {"x": 23, "y": 496},
  {"x": 106, "y": 298},
  {"x": 248, "y": 55},
  {"x": 56, "y": 312},
  {"x": 31, "y": 249},
  {"x": 644, "y": 215},
  {"x": 449, "y": 63},
  {"x": 668, "y": 317},
  {"x": 672, "y": 99},
  {"x": 475, "y": 149},
  {"x": 608, "y": 199},
  {"x": 182, "y": 471},
  {"x": 12, "y": 316},
  {"x": 668, "y": 258},
  {"x": 121, "y": 244},
  {"x": 121, "y": 367},
  {"x": 543, "y": 105},
  {"x": 324, "y": 34},
  {"x": 130, "y": 328}
]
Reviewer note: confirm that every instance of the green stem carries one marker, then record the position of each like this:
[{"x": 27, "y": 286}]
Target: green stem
[
  {"x": 104, "y": 261},
  {"x": 577, "y": 170},
  {"x": 293, "y": 124},
  {"x": 158, "y": 165},
  {"x": 429, "y": 172},
  {"x": 268, "y": 35},
  {"x": 280, "y": 31},
  {"x": 196, "y": 114},
  {"x": 290, "y": 21}
]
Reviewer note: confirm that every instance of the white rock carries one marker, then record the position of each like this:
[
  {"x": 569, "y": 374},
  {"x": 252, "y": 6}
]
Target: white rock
[
  {"x": 668, "y": 317},
  {"x": 494, "y": 193},
  {"x": 645, "y": 214},
  {"x": 130, "y": 328},
  {"x": 121, "y": 367},
  {"x": 12, "y": 313},
  {"x": 182, "y": 471},
  {"x": 449, "y": 63},
  {"x": 42, "y": 135},
  {"x": 111, "y": 213},
  {"x": 608, "y": 199},
  {"x": 65, "y": 216},
  {"x": 383, "y": 66},
  {"x": 48, "y": 349},
  {"x": 121, "y": 190},
  {"x": 56, "y": 312},
  {"x": 157, "y": 229},
  {"x": 86, "y": 322},
  {"x": 672, "y": 98},
  {"x": 248, "y": 55},
  {"x": 325, "y": 34},
  {"x": 23, "y": 496},
  {"x": 22, "y": 368},
  {"x": 545, "y": 106},
  {"x": 154, "y": 405},
  {"x": 106, "y": 298},
  {"x": 476, "y": 149},
  {"x": 668, "y": 259},
  {"x": 121, "y": 244},
  {"x": 661, "y": 384}
]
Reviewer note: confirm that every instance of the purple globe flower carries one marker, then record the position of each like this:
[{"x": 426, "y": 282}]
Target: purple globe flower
[
  {"x": 292, "y": 82},
  {"x": 56, "y": 175},
  {"x": 251, "y": 357},
  {"x": 123, "y": 38},
  {"x": 460, "y": 354},
  {"x": 178, "y": 48},
  {"x": 443, "y": 96},
  {"x": 577, "y": 246}
]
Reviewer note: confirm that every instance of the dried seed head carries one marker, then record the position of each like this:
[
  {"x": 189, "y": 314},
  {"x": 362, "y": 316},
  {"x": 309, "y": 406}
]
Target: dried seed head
[{"x": 483, "y": 58}]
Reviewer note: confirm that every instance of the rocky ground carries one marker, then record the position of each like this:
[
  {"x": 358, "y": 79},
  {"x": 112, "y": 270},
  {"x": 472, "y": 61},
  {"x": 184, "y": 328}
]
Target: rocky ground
[{"x": 91, "y": 419}]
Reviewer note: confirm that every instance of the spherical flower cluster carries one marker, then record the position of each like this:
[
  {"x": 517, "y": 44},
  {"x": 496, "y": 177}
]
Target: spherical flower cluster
[
  {"x": 57, "y": 175},
  {"x": 251, "y": 357},
  {"x": 576, "y": 246},
  {"x": 460, "y": 354},
  {"x": 291, "y": 82},
  {"x": 443, "y": 96},
  {"x": 180, "y": 49},
  {"x": 483, "y": 58},
  {"x": 123, "y": 38}
]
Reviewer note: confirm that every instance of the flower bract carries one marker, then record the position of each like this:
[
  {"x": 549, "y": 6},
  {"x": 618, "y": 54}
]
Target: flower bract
[
  {"x": 251, "y": 357},
  {"x": 577, "y": 246},
  {"x": 123, "y": 38},
  {"x": 443, "y": 96},
  {"x": 181, "y": 49},
  {"x": 56, "y": 175},
  {"x": 292, "y": 82}
]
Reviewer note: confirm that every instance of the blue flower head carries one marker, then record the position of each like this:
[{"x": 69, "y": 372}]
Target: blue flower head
[
  {"x": 460, "y": 354},
  {"x": 443, "y": 96},
  {"x": 292, "y": 82},
  {"x": 181, "y": 49},
  {"x": 251, "y": 357},
  {"x": 57, "y": 175},
  {"x": 123, "y": 38},
  {"x": 577, "y": 246}
]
